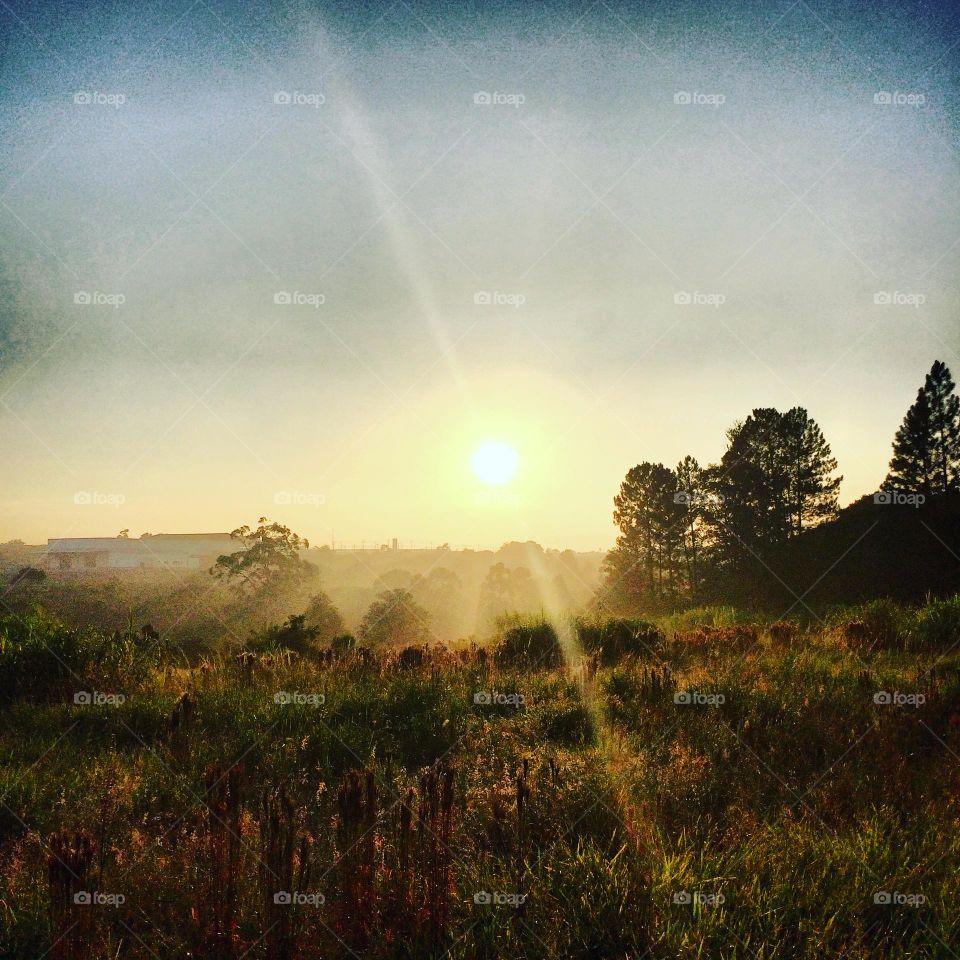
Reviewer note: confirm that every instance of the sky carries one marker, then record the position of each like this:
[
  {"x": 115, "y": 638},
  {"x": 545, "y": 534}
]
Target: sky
[{"x": 302, "y": 260}]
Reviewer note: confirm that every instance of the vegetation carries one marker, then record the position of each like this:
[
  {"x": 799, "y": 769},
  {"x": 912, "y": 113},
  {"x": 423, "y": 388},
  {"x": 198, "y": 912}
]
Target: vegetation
[
  {"x": 926, "y": 449},
  {"x": 395, "y": 617},
  {"x": 688, "y": 787},
  {"x": 269, "y": 560},
  {"x": 747, "y": 530}
]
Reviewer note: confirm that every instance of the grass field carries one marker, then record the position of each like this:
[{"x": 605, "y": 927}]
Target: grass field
[{"x": 703, "y": 787}]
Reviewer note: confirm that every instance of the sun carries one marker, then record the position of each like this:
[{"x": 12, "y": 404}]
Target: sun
[{"x": 494, "y": 462}]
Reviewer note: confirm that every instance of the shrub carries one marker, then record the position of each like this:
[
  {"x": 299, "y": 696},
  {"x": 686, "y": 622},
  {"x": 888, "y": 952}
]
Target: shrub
[
  {"x": 343, "y": 643},
  {"x": 703, "y": 617},
  {"x": 741, "y": 637},
  {"x": 567, "y": 723},
  {"x": 293, "y": 635},
  {"x": 395, "y": 618},
  {"x": 877, "y": 625},
  {"x": 614, "y": 638},
  {"x": 28, "y": 575},
  {"x": 39, "y": 656},
  {"x": 936, "y": 626},
  {"x": 529, "y": 644},
  {"x": 782, "y": 632}
]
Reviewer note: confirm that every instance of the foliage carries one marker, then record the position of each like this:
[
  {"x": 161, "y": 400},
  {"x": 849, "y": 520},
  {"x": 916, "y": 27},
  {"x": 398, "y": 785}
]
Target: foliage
[
  {"x": 323, "y": 617},
  {"x": 527, "y": 643},
  {"x": 926, "y": 449},
  {"x": 268, "y": 561},
  {"x": 294, "y": 635},
  {"x": 625, "y": 821},
  {"x": 612, "y": 638},
  {"x": 41, "y": 657},
  {"x": 686, "y": 530},
  {"x": 395, "y": 618},
  {"x": 28, "y": 575}
]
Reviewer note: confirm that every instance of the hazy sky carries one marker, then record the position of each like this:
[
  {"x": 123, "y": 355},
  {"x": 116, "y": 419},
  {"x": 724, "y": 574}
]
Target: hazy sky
[{"x": 147, "y": 167}]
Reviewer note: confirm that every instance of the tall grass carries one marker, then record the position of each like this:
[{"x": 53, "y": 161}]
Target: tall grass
[{"x": 716, "y": 797}]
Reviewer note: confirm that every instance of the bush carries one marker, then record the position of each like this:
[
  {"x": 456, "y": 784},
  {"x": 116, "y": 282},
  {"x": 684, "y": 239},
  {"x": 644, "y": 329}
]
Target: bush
[
  {"x": 293, "y": 635},
  {"x": 877, "y": 625},
  {"x": 39, "y": 656},
  {"x": 936, "y": 626},
  {"x": 704, "y": 617},
  {"x": 567, "y": 723},
  {"x": 343, "y": 643},
  {"x": 614, "y": 638},
  {"x": 528, "y": 644}
]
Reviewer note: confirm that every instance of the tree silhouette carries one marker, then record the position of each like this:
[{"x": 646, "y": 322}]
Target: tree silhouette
[
  {"x": 440, "y": 593},
  {"x": 691, "y": 485},
  {"x": 774, "y": 479},
  {"x": 926, "y": 448},
  {"x": 812, "y": 489},
  {"x": 644, "y": 567}
]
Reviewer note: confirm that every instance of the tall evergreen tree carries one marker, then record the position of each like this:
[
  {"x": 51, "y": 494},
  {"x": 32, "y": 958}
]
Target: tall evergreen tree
[
  {"x": 911, "y": 467},
  {"x": 926, "y": 448},
  {"x": 774, "y": 479},
  {"x": 812, "y": 489},
  {"x": 945, "y": 427},
  {"x": 694, "y": 498},
  {"x": 643, "y": 569}
]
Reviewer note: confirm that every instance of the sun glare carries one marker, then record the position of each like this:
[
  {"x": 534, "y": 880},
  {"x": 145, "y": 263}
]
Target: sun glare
[{"x": 494, "y": 462}]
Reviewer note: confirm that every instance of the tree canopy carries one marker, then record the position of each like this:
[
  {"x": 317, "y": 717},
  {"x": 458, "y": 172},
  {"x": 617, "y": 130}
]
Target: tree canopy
[{"x": 269, "y": 559}]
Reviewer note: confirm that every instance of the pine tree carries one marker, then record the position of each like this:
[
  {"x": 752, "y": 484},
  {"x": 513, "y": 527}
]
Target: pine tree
[
  {"x": 945, "y": 427},
  {"x": 692, "y": 499},
  {"x": 775, "y": 479},
  {"x": 926, "y": 449},
  {"x": 813, "y": 490},
  {"x": 643, "y": 567}
]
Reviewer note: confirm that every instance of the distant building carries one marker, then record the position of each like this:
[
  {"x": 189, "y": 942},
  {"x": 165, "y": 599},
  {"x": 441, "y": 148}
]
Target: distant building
[{"x": 186, "y": 551}]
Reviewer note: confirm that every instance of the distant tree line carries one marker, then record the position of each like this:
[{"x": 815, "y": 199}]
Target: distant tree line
[{"x": 727, "y": 532}]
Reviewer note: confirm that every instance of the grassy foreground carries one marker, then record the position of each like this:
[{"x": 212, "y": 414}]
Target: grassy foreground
[{"x": 736, "y": 791}]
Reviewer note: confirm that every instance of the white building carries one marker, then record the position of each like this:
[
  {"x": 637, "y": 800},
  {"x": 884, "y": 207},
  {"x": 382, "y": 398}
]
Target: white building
[{"x": 186, "y": 551}]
